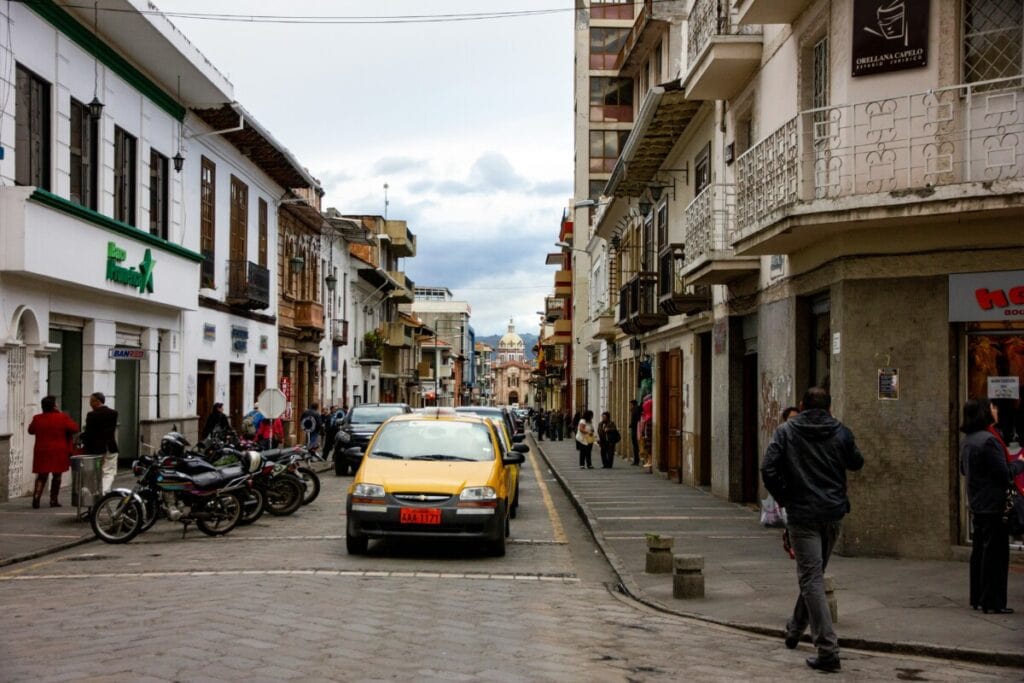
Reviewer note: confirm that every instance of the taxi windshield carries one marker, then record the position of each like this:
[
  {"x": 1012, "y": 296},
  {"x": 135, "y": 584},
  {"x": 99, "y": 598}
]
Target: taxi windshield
[{"x": 434, "y": 440}]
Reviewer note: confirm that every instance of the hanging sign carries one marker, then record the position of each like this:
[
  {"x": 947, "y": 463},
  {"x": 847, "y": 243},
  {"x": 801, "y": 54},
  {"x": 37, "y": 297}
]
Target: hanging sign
[
  {"x": 889, "y": 35},
  {"x": 126, "y": 353}
]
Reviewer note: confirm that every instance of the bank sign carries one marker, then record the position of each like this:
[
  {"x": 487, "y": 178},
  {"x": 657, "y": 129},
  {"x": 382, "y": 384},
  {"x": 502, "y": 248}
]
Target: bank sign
[
  {"x": 889, "y": 35},
  {"x": 978, "y": 297},
  {"x": 140, "y": 277}
]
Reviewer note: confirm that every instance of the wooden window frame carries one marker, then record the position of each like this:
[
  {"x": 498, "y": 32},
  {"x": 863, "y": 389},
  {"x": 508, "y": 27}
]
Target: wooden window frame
[
  {"x": 264, "y": 237},
  {"x": 207, "y": 219},
  {"x": 159, "y": 194},
  {"x": 126, "y": 151},
  {"x": 33, "y": 125},
  {"x": 83, "y": 156},
  {"x": 238, "y": 221}
]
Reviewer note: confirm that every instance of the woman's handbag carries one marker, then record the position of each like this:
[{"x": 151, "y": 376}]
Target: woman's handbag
[{"x": 1014, "y": 514}]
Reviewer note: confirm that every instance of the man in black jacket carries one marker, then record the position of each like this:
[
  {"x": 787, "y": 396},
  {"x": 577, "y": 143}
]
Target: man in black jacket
[
  {"x": 99, "y": 436},
  {"x": 805, "y": 470}
]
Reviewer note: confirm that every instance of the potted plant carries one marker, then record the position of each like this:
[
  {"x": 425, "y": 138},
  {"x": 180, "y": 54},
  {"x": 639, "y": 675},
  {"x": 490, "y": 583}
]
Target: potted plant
[{"x": 373, "y": 342}]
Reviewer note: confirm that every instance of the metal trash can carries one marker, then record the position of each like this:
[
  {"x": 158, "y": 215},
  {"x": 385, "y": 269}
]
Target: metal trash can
[{"x": 86, "y": 480}]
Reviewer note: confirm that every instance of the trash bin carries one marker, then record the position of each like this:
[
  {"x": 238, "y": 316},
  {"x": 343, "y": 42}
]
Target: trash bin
[{"x": 86, "y": 480}]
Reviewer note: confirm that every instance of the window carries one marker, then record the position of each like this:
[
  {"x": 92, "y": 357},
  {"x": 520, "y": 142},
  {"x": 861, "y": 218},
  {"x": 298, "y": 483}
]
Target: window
[
  {"x": 84, "y": 169},
  {"x": 239, "y": 226},
  {"x": 702, "y": 170},
  {"x": 605, "y": 146},
  {"x": 262, "y": 217},
  {"x": 611, "y": 9},
  {"x": 656, "y": 66},
  {"x": 819, "y": 92},
  {"x": 124, "y": 176},
  {"x": 596, "y": 188},
  {"x": 605, "y": 44},
  {"x": 158, "y": 193},
  {"x": 31, "y": 130},
  {"x": 993, "y": 38},
  {"x": 207, "y": 228},
  {"x": 662, "y": 220},
  {"x": 611, "y": 99}
]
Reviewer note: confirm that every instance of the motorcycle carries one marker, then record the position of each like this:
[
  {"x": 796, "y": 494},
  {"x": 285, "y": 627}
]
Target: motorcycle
[
  {"x": 177, "y": 486},
  {"x": 226, "y": 447}
]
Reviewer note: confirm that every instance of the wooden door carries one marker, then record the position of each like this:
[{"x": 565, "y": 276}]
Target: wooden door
[
  {"x": 702, "y": 476},
  {"x": 674, "y": 414},
  {"x": 205, "y": 380},
  {"x": 236, "y": 396},
  {"x": 750, "y": 474},
  {"x": 239, "y": 220}
]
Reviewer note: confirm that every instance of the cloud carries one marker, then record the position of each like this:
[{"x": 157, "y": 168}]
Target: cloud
[{"x": 398, "y": 165}]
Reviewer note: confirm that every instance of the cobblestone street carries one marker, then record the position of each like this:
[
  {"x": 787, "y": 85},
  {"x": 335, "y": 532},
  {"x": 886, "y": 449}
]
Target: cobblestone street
[{"x": 281, "y": 600}]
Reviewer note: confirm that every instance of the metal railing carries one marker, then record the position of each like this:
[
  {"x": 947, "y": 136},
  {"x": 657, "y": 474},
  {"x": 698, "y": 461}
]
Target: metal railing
[
  {"x": 921, "y": 141},
  {"x": 709, "y": 224},
  {"x": 339, "y": 332},
  {"x": 248, "y": 284},
  {"x": 710, "y": 18}
]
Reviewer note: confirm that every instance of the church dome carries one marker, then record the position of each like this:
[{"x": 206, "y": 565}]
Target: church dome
[{"x": 511, "y": 341}]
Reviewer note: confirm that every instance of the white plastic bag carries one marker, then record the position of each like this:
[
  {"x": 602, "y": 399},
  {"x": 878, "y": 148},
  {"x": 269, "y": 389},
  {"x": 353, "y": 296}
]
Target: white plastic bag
[{"x": 772, "y": 515}]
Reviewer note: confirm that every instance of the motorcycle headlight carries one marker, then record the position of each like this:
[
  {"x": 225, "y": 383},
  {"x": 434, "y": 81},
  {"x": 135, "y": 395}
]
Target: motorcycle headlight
[
  {"x": 368, "y": 491},
  {"x": 478, "y": 493},
  {"x": 344, "y": 436}
]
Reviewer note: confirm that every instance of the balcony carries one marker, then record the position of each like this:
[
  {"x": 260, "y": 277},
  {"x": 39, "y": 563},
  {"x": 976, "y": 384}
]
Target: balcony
[
  {"x": 554, "y": 308},
  {"x": 565, "y": 230},
  {"x": 638, "y": 305},
  {"x": 391, "y": 362},
  {"x": 722, "y": 54},
  {"x": 605, "y": 327},
  {"x": 563, "y": 332},
  {"x": 563, "y": 283},
  {"x": 339, "y": 332},
  {"x": 396, "y": 335},
  {"x": 949, "y": 154},
  {"x": 403, "y": 294},
  {"x": 769, "y": 11},
  {"x": 248, "y": 285},
  {"x": 309, "y": 316},
  {"x": 648, "y": 28},
  {"x": 708, "y": 257},
  {"x": 403, "y": 242},
  {"x": 674, "y": 296}
]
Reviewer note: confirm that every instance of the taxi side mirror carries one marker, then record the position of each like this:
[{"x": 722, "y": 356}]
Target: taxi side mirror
[
  {"x": 521, "y": 448},
  {"x": 518, "y": 438},
  {"x": 513, "y": 458}
]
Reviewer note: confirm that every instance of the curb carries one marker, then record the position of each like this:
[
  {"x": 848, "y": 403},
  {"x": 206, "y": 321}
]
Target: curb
[
  {"x": 49, "y": 550},
  {"x": 627, "y": 586}
]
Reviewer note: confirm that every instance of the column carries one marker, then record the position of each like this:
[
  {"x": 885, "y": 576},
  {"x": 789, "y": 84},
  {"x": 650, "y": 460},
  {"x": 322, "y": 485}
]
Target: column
[
  {"x": 149, "y": 375},
  {"x": 98, "y": 337}
]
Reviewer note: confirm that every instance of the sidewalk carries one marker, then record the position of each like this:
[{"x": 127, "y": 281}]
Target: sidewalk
[{"x": 909, "y": 606}]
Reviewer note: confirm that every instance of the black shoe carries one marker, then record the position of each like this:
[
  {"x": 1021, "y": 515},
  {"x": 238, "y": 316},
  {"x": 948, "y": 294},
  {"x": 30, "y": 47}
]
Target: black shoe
[
  {"x": 792, "y": 639},
  {"x": 999, "y": 610},
  {"x": 824, "y": 663}
]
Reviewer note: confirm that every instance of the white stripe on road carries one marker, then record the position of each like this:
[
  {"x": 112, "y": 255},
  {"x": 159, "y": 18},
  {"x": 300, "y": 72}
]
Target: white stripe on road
[{"x": 557, "y": 578}]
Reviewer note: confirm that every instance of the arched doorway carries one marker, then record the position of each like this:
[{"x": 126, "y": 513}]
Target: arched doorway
[
  {"x": 513, "y": 397},
  {"x": 19, "y": 396}
]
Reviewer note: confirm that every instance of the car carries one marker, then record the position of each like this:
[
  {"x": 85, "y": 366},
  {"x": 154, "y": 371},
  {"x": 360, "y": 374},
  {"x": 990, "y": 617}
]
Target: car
[
  {"x": 356, "y": 429},
  {"x": 439, "y": 475},
  {"x": 507, "y": 444},
  {"x": 504, "y": 413}
]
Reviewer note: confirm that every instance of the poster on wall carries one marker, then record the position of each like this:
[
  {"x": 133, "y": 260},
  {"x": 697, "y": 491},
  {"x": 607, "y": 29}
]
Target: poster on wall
[
  {"x": 889, "y": 35},
  {"x": 286, "y": 389}
]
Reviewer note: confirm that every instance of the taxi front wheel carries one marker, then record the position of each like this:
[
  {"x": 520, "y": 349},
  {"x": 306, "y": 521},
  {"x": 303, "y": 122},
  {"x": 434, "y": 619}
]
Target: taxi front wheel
[
  {"x": 355, "y": 543},
  {"x": 496, "y": 545}
]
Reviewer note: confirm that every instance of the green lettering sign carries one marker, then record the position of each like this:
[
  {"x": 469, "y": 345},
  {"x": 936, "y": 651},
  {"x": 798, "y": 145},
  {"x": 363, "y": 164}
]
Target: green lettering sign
[{"x": 140, "y": 278}]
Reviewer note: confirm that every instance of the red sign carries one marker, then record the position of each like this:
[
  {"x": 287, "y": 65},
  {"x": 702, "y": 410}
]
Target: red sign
[
  {"x": 419, "y": 516},
  {"x": 286, "y": 389}
]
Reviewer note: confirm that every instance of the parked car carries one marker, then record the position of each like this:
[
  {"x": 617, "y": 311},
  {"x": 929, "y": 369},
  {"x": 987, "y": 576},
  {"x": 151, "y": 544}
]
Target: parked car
[
  {"x": 356, "y": 429},
  {"x": 495, "y": 411},
  {"x": 439, "y": 475}
]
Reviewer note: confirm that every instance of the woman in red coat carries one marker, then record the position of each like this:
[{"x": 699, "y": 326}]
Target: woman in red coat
[{"x": 52, "y": 455}]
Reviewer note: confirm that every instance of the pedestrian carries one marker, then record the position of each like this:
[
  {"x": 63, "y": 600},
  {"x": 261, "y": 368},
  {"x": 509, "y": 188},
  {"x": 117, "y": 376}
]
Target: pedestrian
[
  {"x": 634, "y": 426},
  {"x": 585, "y": 437},
  {"x": 251, "y": 421},
  {"x": 270, "y": 433},
  {"x": 100, "y": 436},
  {"x": 789, "y": 412},
  {"x": 805, "y": 470},
  {"x": 542, "y": 424},
  {"x": 557, "y": 425},
  {"x": 51, "y": 455},
  {"x": 570, "y": 423},
  {"x": 646, "y": 432},
  {"x": 311, "y": 424},
  {"x": 989, "y": 477},
  {"x": 608, "y": 437},
  {"x": 216, "y": 422}
]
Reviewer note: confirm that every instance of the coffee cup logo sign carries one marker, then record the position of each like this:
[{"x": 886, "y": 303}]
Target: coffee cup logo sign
[
  {"x": 140, "y": 277},
  {"x": 889, "y": 35}
]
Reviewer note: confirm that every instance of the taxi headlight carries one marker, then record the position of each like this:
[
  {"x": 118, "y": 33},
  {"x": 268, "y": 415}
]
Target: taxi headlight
[
  {"x": 368, "y": 491},
  {"x": 478, "y": 493}
]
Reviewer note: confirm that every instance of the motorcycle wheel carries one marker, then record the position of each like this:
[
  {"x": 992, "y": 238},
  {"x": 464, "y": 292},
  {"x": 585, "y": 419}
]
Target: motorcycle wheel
[
  {"x": 253, "y": 505},
  {"x": 284, "y": 495},
  {"x": 151, "y": 509},
  {"x": 116, "y": 518},
  {"x": 220, "y": 515},
  {"x": 312, "y": 482}
]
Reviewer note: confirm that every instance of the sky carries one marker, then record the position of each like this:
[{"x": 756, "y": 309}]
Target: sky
[{"x": 468, "y": 122}]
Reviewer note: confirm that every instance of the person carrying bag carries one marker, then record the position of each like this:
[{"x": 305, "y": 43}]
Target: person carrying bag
[{"x": 585, "y": 439}]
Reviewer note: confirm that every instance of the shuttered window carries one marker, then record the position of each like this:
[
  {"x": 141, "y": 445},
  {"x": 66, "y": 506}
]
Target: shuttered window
[
  {"x": 158, "y": 194},
  {"x": 237, "y": 250},
  {"x": 263, "y": 232},
  {"x": 32, "y": 130},
  {"x": 84, "y": 167},
  {"x": 124, "y": 176},
  {"x": 207, "y": 226}
]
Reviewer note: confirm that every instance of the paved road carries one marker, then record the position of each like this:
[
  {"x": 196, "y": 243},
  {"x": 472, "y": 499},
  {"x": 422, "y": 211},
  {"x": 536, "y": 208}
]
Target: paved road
[{"x": 281, "y": 600}]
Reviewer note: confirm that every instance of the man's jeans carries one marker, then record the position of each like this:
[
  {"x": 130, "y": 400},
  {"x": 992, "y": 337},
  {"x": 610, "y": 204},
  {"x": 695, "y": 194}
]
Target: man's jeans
[{"x": 812, "y": 543}]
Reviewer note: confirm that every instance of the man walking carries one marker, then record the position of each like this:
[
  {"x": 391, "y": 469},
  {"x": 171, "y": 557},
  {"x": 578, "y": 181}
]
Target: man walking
[
  {"x": 99, "y": 436},
  {"x": 634, "y": 422},
  {"x": 310, "y": 424},
  {"x": 805, "y": 470}
]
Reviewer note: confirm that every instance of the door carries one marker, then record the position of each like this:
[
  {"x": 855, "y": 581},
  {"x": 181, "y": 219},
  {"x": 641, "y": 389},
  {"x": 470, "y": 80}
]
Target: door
[
  {"x": 205, "y": 380},
  {"x": 126, "y": 402},
  {"x": 750, "y": 473},
  {"x": 703, "y": 474},
  {"x": 674, "y": 414},
  {"x": 236, "y": 395},
  {"x": 259, "y": 381},
  {"x": 239, "y": 220}
]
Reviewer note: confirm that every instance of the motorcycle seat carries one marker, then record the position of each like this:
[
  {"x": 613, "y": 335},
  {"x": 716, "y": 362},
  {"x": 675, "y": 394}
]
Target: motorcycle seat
[{"x": 210, "y": 480}]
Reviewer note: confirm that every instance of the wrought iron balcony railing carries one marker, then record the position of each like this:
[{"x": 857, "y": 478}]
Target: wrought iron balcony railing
[
  {"x": 674, "y": 297},
  {"x": 248, "y": 285},
  {"x": 709, "y": 225},
  {"x": 710, "y": 18},
  {"x": 638, "y": 304}
]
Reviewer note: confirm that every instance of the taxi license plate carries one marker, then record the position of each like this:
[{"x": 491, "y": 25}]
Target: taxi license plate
[{"x": 420, "y": 516}]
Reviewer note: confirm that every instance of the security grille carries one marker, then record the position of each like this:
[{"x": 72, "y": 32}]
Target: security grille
[{"x": 993, "y": 38}]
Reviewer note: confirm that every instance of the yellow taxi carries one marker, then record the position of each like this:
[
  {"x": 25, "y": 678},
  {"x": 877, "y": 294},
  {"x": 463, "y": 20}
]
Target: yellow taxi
[{"x": 433, "y": 474}]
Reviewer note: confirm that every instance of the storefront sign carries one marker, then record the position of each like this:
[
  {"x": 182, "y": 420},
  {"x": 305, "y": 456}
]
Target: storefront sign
[
  {"x": 126, "y": 353},
  {"x": 1004, "y": 387},
  {"x": 889, "y": 35},
  {"x": 264, "y": 342},
  {"x": 286, "y": 389},
  {"x": 888, "y": 384},
  {"x": 141, "y": 278},
  {"x": 975, "y": 297},
  {"x": 239, "y": 339},
  {"x": 209, "y": 332}
]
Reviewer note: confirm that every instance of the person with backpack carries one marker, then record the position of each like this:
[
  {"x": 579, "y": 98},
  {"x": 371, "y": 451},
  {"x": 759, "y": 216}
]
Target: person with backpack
[
  {"x": 310, "y": 424},
  {"x": 251, "y": 421}
]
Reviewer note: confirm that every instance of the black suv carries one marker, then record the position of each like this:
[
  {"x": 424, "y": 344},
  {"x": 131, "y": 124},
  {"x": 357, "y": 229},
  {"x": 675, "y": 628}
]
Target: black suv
[{"x": 357, "y": 428}]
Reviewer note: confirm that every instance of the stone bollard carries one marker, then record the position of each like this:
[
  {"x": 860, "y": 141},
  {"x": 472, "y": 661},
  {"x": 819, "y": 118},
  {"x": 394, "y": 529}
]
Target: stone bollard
[
  {"x": 659, "y": 554},
  {"x": 687, "y": 577},
  {"x": 830, "y": 597}
]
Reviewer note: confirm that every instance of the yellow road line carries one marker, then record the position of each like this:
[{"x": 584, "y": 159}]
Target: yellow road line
[
  {"x": 556, "y": 521},
  {"x": 5, "y": 575}
]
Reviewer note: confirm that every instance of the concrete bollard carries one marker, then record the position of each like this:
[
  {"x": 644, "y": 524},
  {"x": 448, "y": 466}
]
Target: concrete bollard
[
  {"x": 687, "y": 577},
  {"x": 830, "y": 597},
  {"x": 659, "y": 554}
]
